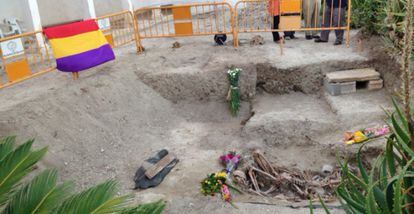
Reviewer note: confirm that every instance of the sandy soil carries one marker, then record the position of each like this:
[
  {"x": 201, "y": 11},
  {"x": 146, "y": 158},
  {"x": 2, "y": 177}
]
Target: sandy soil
[{"x": 105, "y": 124}]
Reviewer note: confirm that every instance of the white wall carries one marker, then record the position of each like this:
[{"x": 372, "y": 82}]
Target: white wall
[
  {"x": 16, "y": 9},
  {"x": 143, "y": 3},
  {"x": 104, "y": 7},
  {"x": 54, "y": 12}
]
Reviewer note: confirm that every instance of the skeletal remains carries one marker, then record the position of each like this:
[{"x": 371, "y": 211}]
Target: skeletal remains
[{"x": 257, "y": 175}]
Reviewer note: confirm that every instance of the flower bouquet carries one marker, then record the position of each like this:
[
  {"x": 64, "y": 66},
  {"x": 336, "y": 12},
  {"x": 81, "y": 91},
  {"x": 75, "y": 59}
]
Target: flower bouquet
[
  {"x": 212, "y": 184},
  {"x": 230, "y": 161},
  {"x": 234, "y": 92}
]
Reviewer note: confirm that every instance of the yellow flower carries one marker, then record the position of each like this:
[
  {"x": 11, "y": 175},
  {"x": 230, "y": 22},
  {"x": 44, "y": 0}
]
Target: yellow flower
[{"x": 221, "y": 175}]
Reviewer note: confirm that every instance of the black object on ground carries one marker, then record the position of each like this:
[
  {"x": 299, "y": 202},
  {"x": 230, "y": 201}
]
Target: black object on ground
[
  {"x": 142, "y": 181},
  {"x": 220, "y": 39}
]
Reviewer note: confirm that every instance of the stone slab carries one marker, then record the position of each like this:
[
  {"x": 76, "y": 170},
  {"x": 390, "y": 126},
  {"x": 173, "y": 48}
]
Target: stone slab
[
  {"x": 364, "y": 74},
  {"x": 375, "y": 84},
  {"x": 336, "y": 89}
]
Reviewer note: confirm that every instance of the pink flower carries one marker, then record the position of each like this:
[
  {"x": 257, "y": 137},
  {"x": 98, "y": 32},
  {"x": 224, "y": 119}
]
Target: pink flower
[
  {"x": 225, "y": 193},
  {"x": 230, "y": 160}
]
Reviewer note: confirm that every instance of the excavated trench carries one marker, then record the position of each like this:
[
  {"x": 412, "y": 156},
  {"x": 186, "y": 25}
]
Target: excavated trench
[{"x": 105, "y": 125}]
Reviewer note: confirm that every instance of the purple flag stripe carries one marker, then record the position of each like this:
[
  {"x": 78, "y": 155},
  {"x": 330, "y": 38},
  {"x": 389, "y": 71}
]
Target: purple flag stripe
[{"x": 85, "y": 60}]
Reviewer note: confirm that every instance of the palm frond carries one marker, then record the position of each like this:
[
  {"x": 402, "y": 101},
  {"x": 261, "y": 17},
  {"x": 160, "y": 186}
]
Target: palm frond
[
  {"x": 40, "y": 195},
  {"x": 15, "y": 166},
  {"x": 96, "y": 200},
  {"x": 150, "y": 208},
  {"x": 6, "y": 146}
]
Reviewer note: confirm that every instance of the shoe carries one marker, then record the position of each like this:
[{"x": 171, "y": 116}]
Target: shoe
[
  {"x": 308, "y": 37},
  {"x": 320, "y": 41},
  {"x": 338, "y": 43},
  {"x": 316, "y": 37},
  {"x": 293, "y": 37}
]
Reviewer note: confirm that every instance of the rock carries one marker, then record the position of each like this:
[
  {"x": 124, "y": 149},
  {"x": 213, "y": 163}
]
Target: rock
[
  {"x": 257, "y": 40},
  {"x": 176, "y": 45},
  {"x": 327, "y": 169}
]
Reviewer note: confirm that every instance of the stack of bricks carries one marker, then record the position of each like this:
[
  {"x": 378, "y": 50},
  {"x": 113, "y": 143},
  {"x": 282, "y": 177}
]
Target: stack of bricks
[{"x": 345, "y": 82}]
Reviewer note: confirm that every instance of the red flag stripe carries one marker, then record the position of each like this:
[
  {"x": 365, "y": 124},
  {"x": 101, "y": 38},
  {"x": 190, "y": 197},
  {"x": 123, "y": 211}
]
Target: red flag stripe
[{"x": 71, "y": 29}]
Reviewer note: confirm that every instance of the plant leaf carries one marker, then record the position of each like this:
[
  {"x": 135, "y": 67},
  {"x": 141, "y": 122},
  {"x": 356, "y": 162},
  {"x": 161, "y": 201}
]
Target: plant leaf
[
  {"x": 361, "y": 166},
  {"x": 323, "y": 205},
  {"x": 40, "y": 195},
  {"x": 97, "y": 199},
  {"x": 15, "y": 166},
  {"x": 6, "y": 146},
  {"x": 150, "y": 208}
]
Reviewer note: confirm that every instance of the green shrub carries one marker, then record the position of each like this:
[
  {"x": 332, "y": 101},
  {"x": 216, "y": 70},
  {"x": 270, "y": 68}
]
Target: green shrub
[{"x": 388, "y": 186}]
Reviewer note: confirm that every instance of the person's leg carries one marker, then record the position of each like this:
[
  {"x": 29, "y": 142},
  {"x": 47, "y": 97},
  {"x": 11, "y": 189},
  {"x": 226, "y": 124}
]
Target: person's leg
[
  {"x": 316, "y": 19},
  {"x": 326, "y": 24},
  {"x": 289, "y": 34},
  {"x": 276, "y": 36},
  {"x": 339, "y": 15},
  {"x": 307, "y": 11}
]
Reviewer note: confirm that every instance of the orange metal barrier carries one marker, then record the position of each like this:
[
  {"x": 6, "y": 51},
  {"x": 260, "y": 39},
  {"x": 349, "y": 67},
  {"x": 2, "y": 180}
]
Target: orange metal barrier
[
  {"x": 23, "y": 57},
  {"x": 185, "y": 20},
  {"x": 119, "y": 28},
  {"x": 255, "y": 16}
]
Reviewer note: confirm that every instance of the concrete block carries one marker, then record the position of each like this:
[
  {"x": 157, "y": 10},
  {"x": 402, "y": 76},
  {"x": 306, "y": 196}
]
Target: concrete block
[
  {"x": 365, "y": 74},
  {"x": 375, "y": 84},
  {"x": 340, "y": 88}
]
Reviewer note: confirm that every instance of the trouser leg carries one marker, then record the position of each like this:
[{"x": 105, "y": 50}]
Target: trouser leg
[
  {"x": 326, "y": 23},
  {"x": 289, "y": 33},
  {"x": 316, "y": 16},
  {"x": 276, "y": 36},
  {"x": 339, "y": 18},
  {"x": 308, "y": 8}
]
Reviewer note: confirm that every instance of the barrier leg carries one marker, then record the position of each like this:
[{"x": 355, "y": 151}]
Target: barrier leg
[
  {"x": 348, "y": 33},
  {"x": 75, "y": 75},
  {"x": 282, "y": 42},
  {"x": 235, "y": 39}
]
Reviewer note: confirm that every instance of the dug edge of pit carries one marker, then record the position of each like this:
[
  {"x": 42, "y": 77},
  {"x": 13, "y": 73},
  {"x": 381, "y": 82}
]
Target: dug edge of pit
[
  {"x": 307, "y": 122},
  {"x": 211, "y": 83}
]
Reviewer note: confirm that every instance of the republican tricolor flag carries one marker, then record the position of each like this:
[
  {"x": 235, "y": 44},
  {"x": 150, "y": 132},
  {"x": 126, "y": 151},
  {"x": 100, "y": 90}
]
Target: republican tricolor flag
[{"x": 78, "y": 46}]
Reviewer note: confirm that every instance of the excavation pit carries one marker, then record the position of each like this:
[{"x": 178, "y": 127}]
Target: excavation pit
[{"x": 115, "y": 116}]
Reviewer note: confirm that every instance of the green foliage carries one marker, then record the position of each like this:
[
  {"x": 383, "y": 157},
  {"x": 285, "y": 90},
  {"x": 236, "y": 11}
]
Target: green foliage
[
  {"x": 388, "y": 186},
  {"x": 368, "y": 14},
  {"x": 381, "y": 17},
  {"x": 234, "y": 91},
  {"x": 43, "y": 194},
  {"x": 150, "y": 208},
  {"x": 212, "y": 184},
  {"x": 39, "y": 195},
  {"x": 15, "y": 165}
]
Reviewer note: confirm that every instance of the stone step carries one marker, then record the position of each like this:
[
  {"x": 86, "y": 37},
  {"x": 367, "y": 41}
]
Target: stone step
[
  {"x": 359, "y": 75},
  {"x": 288, "y": 119}
]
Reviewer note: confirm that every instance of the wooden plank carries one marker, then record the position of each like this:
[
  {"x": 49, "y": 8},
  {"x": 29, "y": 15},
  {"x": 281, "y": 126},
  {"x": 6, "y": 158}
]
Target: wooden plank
[
  {"x": 155, "y": 169},
  {"x": 365, "y": 74}
]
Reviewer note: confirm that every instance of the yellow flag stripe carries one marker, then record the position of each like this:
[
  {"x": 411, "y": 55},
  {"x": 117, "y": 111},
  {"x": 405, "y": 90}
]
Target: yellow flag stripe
[{"x": 68, "y": 46}]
